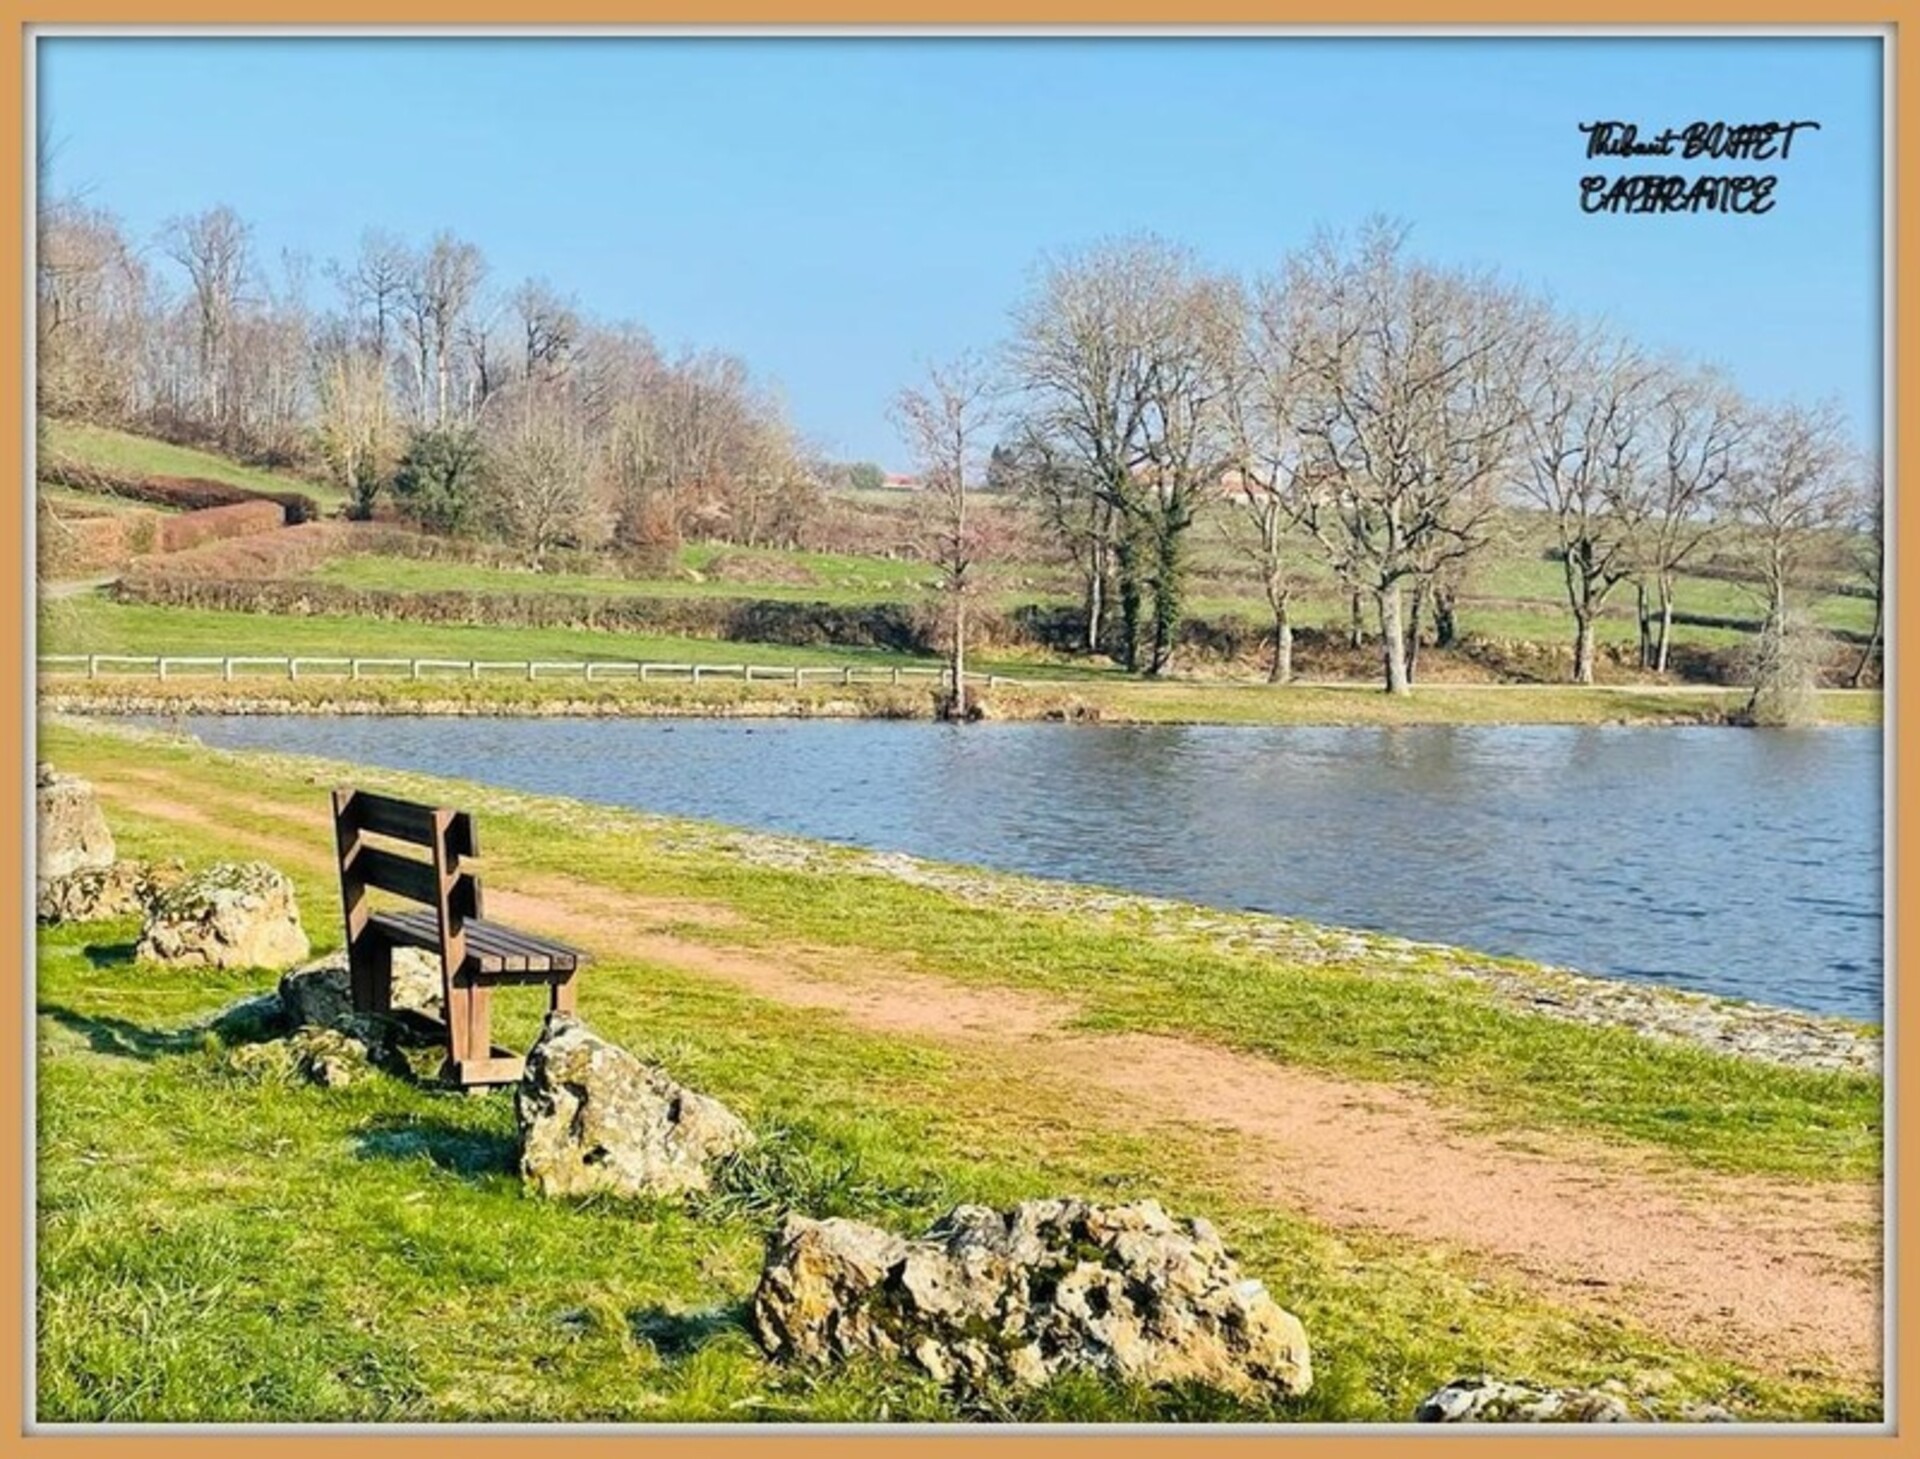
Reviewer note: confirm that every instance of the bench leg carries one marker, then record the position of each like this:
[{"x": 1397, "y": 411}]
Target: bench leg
[
  {"x": 479, "y": 1022},
  {"x": 560, "y": 995},
  {"x": 370, "y": 973}
]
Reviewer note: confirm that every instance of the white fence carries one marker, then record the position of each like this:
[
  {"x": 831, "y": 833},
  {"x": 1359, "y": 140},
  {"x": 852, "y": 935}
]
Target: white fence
[{"x": 232, "y": 666}]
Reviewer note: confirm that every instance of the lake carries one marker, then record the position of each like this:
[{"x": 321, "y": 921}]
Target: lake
[{"x": 1738, "y": 862}]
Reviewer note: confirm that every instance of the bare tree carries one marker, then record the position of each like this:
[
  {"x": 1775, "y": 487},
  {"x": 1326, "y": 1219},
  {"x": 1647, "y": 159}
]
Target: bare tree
[
  {"x": 1870, "y": 558},
  {"x": 1587, "y": 467},
  {"x": 92, "y": 297},
  {"x": 1697, "y": 429},
  {"x": 945, "y": 424},
  {"x": 353, "y": 426},
  {"x": 1076, "y": 517},
  {"x": 549, "y": 328},
  {"x": 1270, "y": 487},
  {"x": 538, "y": 462},
  {"x": 1790, "y": 493},
  {"x": 213, "y": 247},
  {"x": 1411, "y": 392},
  {"x": 441, "y": 286},
  {"x": 1123, "y": 353}
]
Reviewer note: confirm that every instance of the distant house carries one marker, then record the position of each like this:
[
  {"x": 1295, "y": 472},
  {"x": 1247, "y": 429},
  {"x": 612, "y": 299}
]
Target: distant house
[{"x": 894, "y": 481}]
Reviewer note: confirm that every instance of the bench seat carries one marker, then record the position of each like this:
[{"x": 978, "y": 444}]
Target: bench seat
[{"x": 491, "y": 948}]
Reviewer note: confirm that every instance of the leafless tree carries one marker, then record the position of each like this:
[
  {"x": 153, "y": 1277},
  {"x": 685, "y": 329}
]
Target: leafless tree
[
  {"x": 1697, "y": 428},
  {"x": 1588, "y": 468},
  {"x": 944, "y": 424},
  {"x": 1075, "y": 517},
  {"x": 1123, "y": 354},
  {"x": 1790, "y": 493},
  {"x": 537, "y": 489},
  {"x": 1870, "y": 557},
  {"x": 92, "y": 296},
  {"x": 441, "y": 286},
  {"x": 1270, "y": 486},
  {"x": 1411, "y": 392},
  {"x": 353, "y": 425},
  {"x": 549, "y": 328},
  {"x": 213, "y": 247}
]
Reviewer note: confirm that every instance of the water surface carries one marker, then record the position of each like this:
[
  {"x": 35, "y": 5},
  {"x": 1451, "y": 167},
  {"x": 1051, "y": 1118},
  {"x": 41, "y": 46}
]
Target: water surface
[{"x": 1737, "y": 862}]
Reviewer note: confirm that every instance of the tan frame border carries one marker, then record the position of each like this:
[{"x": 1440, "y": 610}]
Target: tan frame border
[{"x": 1903, "y": 356}]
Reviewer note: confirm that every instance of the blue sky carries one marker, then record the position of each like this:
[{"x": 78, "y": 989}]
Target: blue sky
[{"x": 839, "y": 210}]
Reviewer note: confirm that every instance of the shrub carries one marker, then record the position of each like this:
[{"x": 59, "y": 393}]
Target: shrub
[{"x": 437, "y": 483}]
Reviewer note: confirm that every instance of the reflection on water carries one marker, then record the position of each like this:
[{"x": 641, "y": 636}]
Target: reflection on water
[{"x": 1745, "y": 863}]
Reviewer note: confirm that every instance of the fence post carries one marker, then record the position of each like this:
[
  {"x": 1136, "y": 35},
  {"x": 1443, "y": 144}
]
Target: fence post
[
  {"x": 226, "y": 669},
  {"x": 93, "y": 666},
  {"x": 160, "y": 667},
  {"x": 413, "y": 668},
  {"x": 589, "y": 671},
  {"x": 896, "y": 673},
  {"x": 846, "y": 674},
  {"x": 531, "y": 670},
  {"x": 293, "y": 668},
  {"x": 645, "y": 672},
  {"x": 696, "y": 673},
  {"x": 353, "y": 668},
  {"x": 473, "y": 668}
]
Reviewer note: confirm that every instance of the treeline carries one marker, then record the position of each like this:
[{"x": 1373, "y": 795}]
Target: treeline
[
  {"x": 1377, "y": 416},
  {"x": 408, "y": 374}
]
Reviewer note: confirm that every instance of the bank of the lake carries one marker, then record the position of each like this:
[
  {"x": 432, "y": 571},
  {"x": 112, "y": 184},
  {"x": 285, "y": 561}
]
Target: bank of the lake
[
  {"x": 1078, "y": 701},
  {"x": 870, "y": 1015}
]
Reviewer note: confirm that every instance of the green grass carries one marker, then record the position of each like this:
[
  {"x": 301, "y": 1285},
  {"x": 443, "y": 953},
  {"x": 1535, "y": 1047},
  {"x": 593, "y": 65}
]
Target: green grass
[
  {"x": 214, "y": 1247},
  {"x": 111, "y": 450}
]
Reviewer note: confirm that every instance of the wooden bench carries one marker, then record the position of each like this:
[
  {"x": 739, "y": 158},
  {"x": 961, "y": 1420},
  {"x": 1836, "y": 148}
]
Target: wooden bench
[{"x": 475, "y": 955}]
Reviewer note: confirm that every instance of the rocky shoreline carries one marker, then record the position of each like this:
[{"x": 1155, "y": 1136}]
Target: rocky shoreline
[{"x": 1784, "y": 1036}]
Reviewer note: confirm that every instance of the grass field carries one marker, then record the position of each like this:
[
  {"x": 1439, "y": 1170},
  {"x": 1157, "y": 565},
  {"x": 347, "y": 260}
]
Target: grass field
[
  {"x": 141, "y": 455},
  {"x": 212, "y": 1247}
]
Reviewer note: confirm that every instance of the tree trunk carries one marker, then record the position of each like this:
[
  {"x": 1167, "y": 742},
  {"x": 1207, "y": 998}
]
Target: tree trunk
[
  {"x": 1420, "y": 590},
  {"x": 1393, "y": 648},
  {"x": 1873, "y": 642},
  {"x": 1095, "y": 602},
  {"x": 1166, "y": 597},
  {"x": 1583, "y": 646},
  {"x": 958, "y": 703},
  {"x": 1356, "y": 626},
  {"x": 1128, "y": 571},
  {"x": 1446, "y": 626},
  {"x": 1666, "y": 624},
  {"x": 1282, "y": 670},
  {"x": 1645, "y": 620}
]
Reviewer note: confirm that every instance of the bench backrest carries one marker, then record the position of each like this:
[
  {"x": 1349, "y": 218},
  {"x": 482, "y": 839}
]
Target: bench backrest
[{"x": 443, "y": 882}]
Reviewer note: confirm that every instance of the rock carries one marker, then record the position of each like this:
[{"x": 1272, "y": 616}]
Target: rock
[
  {"x": 320, "y": 993},
  {"x": 1496, "y": 1401},
  {"x": 232, "y": 915},
  {"x": 99, "y": 893},
  {"x": 593, "y": 1118},
  {"x": 72, "y": 834},
  {"x": 1705, "y": 1413},
  {"x": 330, "y": 1057},
  {"x": 1024, "y": 1295}
]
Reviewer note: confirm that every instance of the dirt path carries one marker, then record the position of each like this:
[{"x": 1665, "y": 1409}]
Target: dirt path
[{"x": 1784, "y": 1276}]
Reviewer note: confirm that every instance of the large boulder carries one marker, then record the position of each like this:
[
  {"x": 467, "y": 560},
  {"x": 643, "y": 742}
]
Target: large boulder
[
  {"x": 320, "y": 993},
  {"x": 231, "y": 915},
  {"x": 594, "y": 1119},
  {"x": 124, "y": 889},
  {"x": 1023, "y": 1295},
  {"x": 72, "y": 833},
  {"x": 1498, "y": 1401}
]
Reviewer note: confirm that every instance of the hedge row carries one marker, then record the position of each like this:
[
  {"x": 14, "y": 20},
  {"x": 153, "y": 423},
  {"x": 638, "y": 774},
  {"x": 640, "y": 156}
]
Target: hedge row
[{"x": 182, "y": 493}]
